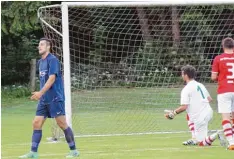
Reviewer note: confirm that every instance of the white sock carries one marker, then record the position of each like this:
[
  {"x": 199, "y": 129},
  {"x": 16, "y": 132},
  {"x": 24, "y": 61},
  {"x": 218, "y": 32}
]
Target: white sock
[
  {"x": 227, "y": 130},
  {"x": 191, "y": 128},
  {"x": 208, "y": 140}
]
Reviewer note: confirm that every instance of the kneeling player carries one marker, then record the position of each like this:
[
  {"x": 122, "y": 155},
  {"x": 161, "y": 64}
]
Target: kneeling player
[{"x": 195, "y": 100}]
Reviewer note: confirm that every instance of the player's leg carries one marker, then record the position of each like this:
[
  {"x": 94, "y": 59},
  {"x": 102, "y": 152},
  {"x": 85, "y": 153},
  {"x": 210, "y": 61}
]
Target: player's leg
[
  {"x": 57, "y": 111},
  {"x": 208, "y": 140},
  {"x": 227, "y": 127},
  {"x": 38, "y": 122},
  {"x": 233, "y": 124},
  {"x": 225, "y": 108},
  {"x": 61, "y": 121},
  {"x": 201, "y": 129},
  {"x": 191, "y": 128},
  {"x": 233, "y": 115},
  {"x": 231, "y": 147},
  {"x": 37, "y": 132},
  {"x": 204, "y": 139}
]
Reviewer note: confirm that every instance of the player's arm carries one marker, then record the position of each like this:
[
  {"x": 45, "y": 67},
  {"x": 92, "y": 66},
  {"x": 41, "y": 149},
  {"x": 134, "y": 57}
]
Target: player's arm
[
  {"x": 53, "y": 71},
  {"x": 170, "y": 114},
  {"x": 209, "y": 98},
  {"x": 214, "y": 76},
  {"x": 48, "y": 84},
  {"x": 215, "y": 69},
  {"x": 181, "y": 109}
]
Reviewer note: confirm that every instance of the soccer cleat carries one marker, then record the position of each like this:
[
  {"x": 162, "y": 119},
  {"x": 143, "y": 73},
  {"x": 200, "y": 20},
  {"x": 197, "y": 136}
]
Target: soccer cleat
[
  {"x": 30, "y": 155},
  {"x": 222, "y": 140},
  {"x": 230, "y": 147},
  {"x": 52, "y": 139},
  {"x": 190, "y": 142},
  {"x": 73, "y": 154}
]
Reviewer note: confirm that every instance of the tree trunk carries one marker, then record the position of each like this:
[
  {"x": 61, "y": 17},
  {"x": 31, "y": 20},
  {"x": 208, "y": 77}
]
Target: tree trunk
[
  {"x": 144, "y": 24},
  {"x": 175, "y": 26},
  {"x": 33, "y": 75}
]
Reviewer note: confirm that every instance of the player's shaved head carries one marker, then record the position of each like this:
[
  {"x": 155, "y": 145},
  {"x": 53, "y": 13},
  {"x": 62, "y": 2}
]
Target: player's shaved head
[
  {"x": 228, "y": 43},
  {"x": 189, "y": 70},
  {"x": 44, "y": 46},
  {"x": 48, "y": 41}
]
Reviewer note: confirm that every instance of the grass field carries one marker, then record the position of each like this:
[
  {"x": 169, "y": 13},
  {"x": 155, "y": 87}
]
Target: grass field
[{"x": 107, "y": 123}]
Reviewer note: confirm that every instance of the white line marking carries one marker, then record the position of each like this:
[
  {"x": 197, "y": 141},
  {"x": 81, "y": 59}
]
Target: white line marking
[
  {"x": 25, "y": 144},
  {"x": 185, "y": 148},
  {"x": 43, "y": 155},
  {"x": 132, "y": 134},
  {"x": 135, "y": 134},
  {"x": 113, "y": 135}
]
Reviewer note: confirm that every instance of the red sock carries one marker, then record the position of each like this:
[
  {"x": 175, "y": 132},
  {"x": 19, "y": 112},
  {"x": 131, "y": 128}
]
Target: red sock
[
  {"x": 227, "y": 129},
  {"x": 191, "y": 127},
  {"x": 206, "y": 142},
  {"x": 232, "y": 126}
]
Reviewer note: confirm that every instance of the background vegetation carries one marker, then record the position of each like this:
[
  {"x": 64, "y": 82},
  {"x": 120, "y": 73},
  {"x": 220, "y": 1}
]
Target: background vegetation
[{"x": 165, "y": 31}]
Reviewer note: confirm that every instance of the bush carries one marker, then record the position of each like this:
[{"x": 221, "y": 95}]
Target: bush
[
  {"x": 15, "y": 91},
  {"x": 153, "y": 65},
  {"x": 16, "y": 60}
]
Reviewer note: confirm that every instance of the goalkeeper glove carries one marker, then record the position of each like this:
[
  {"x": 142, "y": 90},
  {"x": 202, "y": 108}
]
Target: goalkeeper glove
[{"x": 170, "y": 114}]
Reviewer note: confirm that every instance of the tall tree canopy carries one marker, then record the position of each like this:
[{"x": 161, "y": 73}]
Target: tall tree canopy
[{"x": 20, "y": 30}]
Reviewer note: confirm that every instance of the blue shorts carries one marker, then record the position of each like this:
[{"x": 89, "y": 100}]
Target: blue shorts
[{"x": 51, "y": 110}]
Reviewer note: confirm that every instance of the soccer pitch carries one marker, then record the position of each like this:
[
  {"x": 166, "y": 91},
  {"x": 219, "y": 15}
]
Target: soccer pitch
[{"x": 112, "y": 123}]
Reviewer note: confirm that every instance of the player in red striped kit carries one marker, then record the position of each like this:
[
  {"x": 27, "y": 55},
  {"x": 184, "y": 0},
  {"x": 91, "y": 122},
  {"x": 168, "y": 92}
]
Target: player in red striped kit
[{"x": 223, "y": 71}]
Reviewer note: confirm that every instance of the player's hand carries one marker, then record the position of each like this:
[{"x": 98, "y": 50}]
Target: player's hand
[
  {"x": 209, "y": 99},
  {"x": 169, "y": 114},
  {"x": 36, "y": 95}
]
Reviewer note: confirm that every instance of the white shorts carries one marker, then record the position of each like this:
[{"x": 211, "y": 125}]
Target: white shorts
[
  {"x": 201, "y": 125},
  {"x": 226, "y": 102}
]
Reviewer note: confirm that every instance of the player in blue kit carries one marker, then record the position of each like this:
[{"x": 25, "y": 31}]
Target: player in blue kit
[{"x": 51, "y": 100}]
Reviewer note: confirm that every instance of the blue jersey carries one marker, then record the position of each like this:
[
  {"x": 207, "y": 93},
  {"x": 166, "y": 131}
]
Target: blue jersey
[{"x": 51, "y": 66}]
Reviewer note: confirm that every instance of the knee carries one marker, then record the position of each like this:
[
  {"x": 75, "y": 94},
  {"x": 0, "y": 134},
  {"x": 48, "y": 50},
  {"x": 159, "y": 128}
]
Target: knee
[
  {"x": 226, "y": 116},
  {"x": 37, "y": 124},
  {"x": 62, "y": 124}
]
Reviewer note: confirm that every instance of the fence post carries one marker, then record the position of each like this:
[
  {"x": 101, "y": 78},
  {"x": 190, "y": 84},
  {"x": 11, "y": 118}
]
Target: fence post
[{"x": 33, "y": 75}]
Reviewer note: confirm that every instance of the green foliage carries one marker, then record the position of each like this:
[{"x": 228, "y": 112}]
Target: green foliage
[
  {"x": 15, "y": 91},
  {"x": 20, "y": 34},
  {"x": 100, "y": 37},
  {"x": 119, "y": 56},
  {"x": 152, "y": 65},
  {"x": 119, "y": 48},
  {"x": 16, "y": 59},
  {"x": 20, "y": 17}
]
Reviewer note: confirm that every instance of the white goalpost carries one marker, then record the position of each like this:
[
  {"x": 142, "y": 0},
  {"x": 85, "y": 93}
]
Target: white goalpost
[
  {"x": 121, "y": 60},
  {"x": 66, "y": 59}
]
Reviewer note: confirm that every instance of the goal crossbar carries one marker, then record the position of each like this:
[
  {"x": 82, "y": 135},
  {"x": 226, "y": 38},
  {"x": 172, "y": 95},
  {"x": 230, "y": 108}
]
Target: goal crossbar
[{"x": 148, "y": 3}]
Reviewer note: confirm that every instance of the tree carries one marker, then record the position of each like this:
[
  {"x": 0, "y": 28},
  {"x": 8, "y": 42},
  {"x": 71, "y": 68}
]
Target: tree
[
  {"x": 20, "y": 32},
  {"x": 143, "y": 20},
  {"x": 175, "y": 26},
  {"x": 20, "y": 17}
]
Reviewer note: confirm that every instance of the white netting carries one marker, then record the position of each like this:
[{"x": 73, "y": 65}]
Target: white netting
[{"x": 125, "y": 62}]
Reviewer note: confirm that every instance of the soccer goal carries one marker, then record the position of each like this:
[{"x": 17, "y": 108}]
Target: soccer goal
[{"x": 121, "y": 60}]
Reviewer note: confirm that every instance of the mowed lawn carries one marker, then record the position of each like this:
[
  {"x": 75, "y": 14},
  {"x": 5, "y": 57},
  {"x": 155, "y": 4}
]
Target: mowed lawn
[{"x": 112, "y": 124}]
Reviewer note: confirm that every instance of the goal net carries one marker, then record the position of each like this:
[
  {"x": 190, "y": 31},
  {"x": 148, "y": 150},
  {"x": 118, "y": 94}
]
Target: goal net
[{"x": 125, "y": 60}]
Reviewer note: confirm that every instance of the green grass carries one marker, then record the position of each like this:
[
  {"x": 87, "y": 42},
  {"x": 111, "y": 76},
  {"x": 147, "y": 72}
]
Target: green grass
[{"x": 111, "y": 111}]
